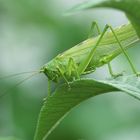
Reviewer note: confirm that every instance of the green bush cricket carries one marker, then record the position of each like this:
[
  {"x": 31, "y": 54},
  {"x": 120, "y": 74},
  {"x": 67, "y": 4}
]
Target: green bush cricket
[
  {"x": 94, "y": 52},
  {"x": 90, "y": 54}
]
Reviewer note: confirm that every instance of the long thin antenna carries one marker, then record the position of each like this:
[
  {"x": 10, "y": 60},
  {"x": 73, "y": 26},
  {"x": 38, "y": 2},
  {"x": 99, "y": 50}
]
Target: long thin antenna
[
  {"x": 16, "y": 74},
  {"x": 19, "y": 83}
]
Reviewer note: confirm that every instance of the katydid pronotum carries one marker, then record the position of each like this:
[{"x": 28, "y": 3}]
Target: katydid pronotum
[{"x": 92, "y": 53}]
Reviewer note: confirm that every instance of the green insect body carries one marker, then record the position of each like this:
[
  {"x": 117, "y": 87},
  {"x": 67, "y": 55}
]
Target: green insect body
[{"x": 66, "y": 65}]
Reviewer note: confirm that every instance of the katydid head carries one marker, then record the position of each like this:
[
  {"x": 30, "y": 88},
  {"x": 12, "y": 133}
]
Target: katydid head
[{"x": 52, "y": 74}]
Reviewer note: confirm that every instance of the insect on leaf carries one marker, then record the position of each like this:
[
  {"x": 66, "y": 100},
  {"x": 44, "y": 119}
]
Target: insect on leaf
[
  {"x": 130, "y": 7},
  {"x": 57, "y": 106}
]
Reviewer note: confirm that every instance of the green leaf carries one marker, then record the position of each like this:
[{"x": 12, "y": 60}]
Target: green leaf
[
  {"x": 57, "y": 106},
  {"x": 130, "y": 7}
]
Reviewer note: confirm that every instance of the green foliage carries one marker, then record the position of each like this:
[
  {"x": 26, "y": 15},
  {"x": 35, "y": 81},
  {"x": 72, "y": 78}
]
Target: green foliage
[
  {"x": 130, "y": 7},
  {"x": 57, "y": 106},
  {"x": 63, "y": 100}
]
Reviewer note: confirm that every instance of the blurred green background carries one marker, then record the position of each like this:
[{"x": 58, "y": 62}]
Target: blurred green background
[{"x": 32, "y": 32}]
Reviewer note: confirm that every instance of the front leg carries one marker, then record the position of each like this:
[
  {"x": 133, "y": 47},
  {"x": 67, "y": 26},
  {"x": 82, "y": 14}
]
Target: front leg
[
  {"x": 62, "y": 73},
  {"x": 72, "y": 68}
]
